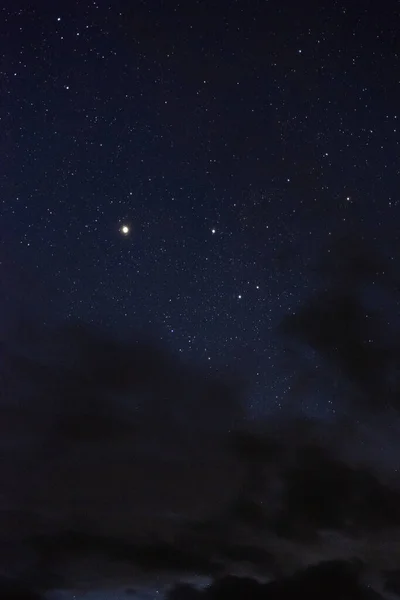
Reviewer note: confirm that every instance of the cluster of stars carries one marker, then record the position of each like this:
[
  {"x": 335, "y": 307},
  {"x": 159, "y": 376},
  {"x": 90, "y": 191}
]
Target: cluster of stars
[{"x": 229, "y": 201}]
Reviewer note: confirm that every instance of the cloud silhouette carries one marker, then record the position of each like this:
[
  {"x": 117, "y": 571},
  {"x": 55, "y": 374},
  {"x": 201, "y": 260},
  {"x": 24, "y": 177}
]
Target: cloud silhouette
[
  {"x": 339, "y": 324},
  {"x": 331, "y": 580},
  {"x": 323, "y": 492},
  {"x": 13, "y": 590},
  {"x": 118, "y": 453},
  {"x": 110, "y": 440}
]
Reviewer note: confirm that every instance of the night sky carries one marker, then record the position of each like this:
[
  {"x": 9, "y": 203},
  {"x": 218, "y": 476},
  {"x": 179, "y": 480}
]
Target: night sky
[{"x": 202, "y": 176}]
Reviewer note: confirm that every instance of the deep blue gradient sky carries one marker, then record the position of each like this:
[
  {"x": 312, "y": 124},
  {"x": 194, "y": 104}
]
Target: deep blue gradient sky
[
  {"x": 238, "y": 142},
  {"x": 234, "y": 139}
]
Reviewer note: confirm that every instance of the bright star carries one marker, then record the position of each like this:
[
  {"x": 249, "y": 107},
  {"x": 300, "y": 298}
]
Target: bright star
[{"x": 124, "y": 229}]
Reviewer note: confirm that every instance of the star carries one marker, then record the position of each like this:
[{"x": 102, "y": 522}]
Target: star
[{"x": 125, "y": 229}]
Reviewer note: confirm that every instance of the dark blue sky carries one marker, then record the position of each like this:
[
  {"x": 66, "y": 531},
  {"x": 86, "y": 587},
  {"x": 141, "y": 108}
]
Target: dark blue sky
[
  {"x": 234, "y": 140},
  {"x": 238, "y": 142}
]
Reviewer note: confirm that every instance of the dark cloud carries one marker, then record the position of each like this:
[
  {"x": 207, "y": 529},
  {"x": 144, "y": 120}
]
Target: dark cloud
[
  {"x": 299, "y": 482},
  {"x": 116, "y": 453},
  {"x": 352, "y": 261},
  {"x": 347, "y": 332},
  {"x": 13, "y": 590},
  {"x": 392, "y": 581},
  {"x": 339, "y": 327},
  {"x": 330, "y": 580},
  {"x": 322, "y": 492},
  {"x": 54, "y": 551},
  {"x": 110, "y": 437},
  {"x": 184, "y": 591}
]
